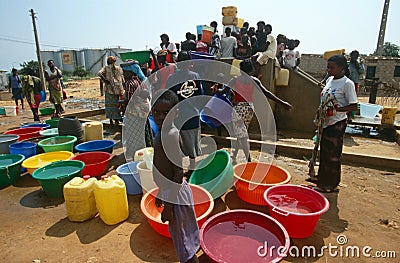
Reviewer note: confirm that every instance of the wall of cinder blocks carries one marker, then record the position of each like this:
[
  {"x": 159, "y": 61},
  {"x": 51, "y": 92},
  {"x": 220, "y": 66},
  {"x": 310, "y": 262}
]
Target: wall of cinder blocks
[{"x": 315, "y": 65}]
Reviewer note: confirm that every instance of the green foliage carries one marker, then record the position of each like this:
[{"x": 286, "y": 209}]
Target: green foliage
[
  {"x": 391, "y": 50},
  {"x": 80, "y": 72},
  {"x": 29, "y": 68}
]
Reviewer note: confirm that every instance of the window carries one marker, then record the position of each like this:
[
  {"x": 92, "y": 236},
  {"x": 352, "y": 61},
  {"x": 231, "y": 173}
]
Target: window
[
  {"x": 396, "y": 71},
  {"x": 370, "y": 72}
]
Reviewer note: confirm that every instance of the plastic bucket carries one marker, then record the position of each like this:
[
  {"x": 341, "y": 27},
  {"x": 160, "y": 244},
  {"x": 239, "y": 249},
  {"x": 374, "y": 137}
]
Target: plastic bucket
[
  {"x": 237, "y": 235},
  {"x": 252, "y": 179},
  {"x": 199, "y": 29},
  {"x": 219, "y": 108},
  {"x": 27, "y": 149},
  {"x": 203, "y": 206},
  {"x": 10, "y": 110},
  {"x": 5, "y": 141},
  {"x": 369, "y": 110},
  {"x": 96, "y": 163},
  {"x": 58, "y": 143},
  {"x": 71, "y": 126},
  {"x": 297, "y": 208},
  {"x": 146, "y": 177},
  {"x": 388, "y": 115},
  {"x": 10, "y": 168},
  {"x": 207, "y": 33},
  {"x": 128, "y": 172},
  {"x": 53, "y": 123},
  {"x": 2, "y": 111},
  {"x": 52, "y": 177},
  {"x": 214, "y": 173},
  {"x": 25, "y": 133}
]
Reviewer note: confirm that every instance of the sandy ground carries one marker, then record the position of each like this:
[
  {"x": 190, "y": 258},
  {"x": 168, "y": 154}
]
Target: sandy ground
[{"x": 35, "y": 228}]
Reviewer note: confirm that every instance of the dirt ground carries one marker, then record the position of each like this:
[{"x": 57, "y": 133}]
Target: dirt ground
[{"x": 35, "y": 228}]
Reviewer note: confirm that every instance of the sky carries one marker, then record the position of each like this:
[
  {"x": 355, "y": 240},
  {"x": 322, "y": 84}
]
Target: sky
[{"x": 320, "y": 25}]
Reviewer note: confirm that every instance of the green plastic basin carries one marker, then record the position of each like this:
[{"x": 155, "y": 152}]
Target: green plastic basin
[
  {"x": 47, "y": 111},
  {"x": 141, "y": 56},
  {"x": 10, "y": 168},
  {"x": 52, "y": 122},
  {"x": 214, "y": 173},
  {"x": 58, "y": 143},
  {"x": 52, "y": 177}
]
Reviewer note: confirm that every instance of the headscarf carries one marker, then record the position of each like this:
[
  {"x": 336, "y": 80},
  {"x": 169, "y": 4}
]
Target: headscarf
[
  {"x": 111, "y": 60},
  {"x": 135, "y": 68}
]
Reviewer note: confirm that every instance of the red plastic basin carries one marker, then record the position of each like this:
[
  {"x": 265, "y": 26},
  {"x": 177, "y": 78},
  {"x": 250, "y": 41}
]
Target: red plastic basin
[
  {"x": 203, "y": 205},
  {"x": 96, "y": 163},
  {"x": 25, "y": 133},
  {"x": 297, "y": 208},
  {"x": 253, "y": 178},
  {"x": 244, "y": 236}
]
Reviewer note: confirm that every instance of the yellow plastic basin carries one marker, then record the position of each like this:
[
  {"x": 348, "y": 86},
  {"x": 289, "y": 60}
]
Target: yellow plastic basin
[{"x": 37, "y": 161}]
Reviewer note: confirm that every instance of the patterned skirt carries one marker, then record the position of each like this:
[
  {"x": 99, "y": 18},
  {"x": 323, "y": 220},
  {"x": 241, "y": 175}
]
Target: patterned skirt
[
  {"x": 111, "y": 104},
  {"x": 241, "y": 118}
]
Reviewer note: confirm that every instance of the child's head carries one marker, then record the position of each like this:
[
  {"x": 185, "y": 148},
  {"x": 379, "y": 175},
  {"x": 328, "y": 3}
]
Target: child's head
[
  {"x": 188, "y": 36},
  {"x": 281, "y": 39},
  {"x": 291, "y": 44},
  {"x": 162, "y": 103},
  {"x": 354, "y": 55},
  {"x": 268, "y": 29},
  {"x": 337, "y": 66}
]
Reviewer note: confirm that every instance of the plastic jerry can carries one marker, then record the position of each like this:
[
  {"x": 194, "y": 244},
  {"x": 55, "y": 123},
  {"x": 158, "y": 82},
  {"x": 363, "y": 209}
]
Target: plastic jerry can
[
  {"x": 283, "y": 77},
  {"x": 139, "y": 154},
  {"x": 111, "y": 199},
  {"x": 79, "y": 198},
  {"x": 93, "y": 130}
]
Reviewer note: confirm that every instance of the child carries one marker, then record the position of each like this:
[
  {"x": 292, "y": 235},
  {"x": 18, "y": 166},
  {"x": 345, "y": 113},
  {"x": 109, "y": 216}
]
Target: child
[
  {"x": 291, "y": 58},
  {"x": 174, "y": 192}
]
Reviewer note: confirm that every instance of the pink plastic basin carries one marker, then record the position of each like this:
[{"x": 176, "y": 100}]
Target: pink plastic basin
[
  {"x": 244, "y": 236},
  {"x": 203, "y": 205},
  {"x": 297, "y": 208}
]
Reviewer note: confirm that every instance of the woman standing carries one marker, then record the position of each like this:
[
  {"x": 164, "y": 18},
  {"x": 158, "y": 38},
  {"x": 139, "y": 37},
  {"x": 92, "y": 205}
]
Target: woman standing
[
  {"x": 243, "y": 113},
  {"x": 112, "y": 75},
  {"x": 53, "y": 76},
  {"x": 32, "y": 90},
  {"x": 340, "y": 97}
]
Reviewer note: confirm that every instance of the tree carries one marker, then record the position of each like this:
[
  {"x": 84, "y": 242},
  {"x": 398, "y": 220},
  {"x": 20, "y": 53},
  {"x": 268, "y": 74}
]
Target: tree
[
  {"x": 391, "y": 50},
  {"x": 80, "y": 72},
  {"x": 30, "y": 68}
]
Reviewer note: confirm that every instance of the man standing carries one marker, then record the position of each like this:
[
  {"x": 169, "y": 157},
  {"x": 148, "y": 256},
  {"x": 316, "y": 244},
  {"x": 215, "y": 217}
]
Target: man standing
[
  {"x": 228, "y": 44},
  {"x": 14, "y": 85},
  {"x": 356, "y": 68}
]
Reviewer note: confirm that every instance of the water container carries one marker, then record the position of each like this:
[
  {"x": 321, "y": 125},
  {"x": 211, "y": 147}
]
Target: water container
[
  {"x": 388, "y": 115},
  {"x": 92, "y": 130},
  {"x": 146, "y": 177},
  {"x": 229, "y": 11},
  {"x": 240, "y": 22},
  {"x": 71, "y": 126},
  {"x": 79, "y": 198},
  {"x": 229, "y": 20},
  {"x": 328, "y": 54},
  {"x": 199, "y": 29},
  {"x": 111, "y": 199},
  {"x": 283, "y": 77},
  {"x": 11, "y": 110},
  {"x": 207, "y": 34},
  {"x": 139, "y": 154}
]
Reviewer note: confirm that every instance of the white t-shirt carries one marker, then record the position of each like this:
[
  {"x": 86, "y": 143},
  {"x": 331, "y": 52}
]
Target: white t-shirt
[
  {"x": 343, "y": 91},
  {"x": 290, "y": 57},
  {"x": 171, "y": 47},
  {"x": 227, "y": 46}
]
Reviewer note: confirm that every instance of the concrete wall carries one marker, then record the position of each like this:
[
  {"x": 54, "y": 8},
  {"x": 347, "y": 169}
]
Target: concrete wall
[
  {"x": 303, "y": 93},
  {"x": 315, "y": 65}
]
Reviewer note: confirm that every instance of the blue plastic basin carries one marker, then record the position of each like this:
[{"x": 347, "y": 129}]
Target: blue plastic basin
[
  {"x": 96, "y": 145},
  {"x": 40, "y": 125},
  {"x": 129, "y": 173}
]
